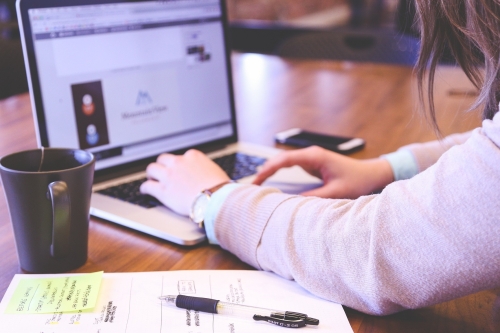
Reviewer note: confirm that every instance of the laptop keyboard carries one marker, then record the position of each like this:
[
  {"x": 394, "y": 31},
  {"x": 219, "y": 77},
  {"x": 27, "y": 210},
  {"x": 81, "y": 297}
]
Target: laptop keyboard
[{"x": 236, "y": 166}]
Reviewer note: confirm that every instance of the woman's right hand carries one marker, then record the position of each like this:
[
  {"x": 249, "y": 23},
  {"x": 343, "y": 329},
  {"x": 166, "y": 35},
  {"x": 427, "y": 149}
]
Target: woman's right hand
[{"x": 343, "y": 177}]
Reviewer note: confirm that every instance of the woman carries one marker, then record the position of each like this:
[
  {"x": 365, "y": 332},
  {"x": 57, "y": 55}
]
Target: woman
[{"x": 423, "y": 240}]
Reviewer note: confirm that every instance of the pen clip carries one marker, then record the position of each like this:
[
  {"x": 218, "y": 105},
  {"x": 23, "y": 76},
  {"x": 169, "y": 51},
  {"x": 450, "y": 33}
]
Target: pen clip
[
  {"x": 287, "y": 323},
  {"x": 288, "y": 319}
]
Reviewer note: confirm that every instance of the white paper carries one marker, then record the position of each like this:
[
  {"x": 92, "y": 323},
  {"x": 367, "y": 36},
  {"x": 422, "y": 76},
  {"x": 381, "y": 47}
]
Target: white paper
[{"x": 128, "y": 303}]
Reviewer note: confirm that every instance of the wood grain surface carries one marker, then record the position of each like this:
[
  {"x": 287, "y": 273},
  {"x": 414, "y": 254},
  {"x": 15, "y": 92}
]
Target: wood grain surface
[{"x": 376, "y": 102}]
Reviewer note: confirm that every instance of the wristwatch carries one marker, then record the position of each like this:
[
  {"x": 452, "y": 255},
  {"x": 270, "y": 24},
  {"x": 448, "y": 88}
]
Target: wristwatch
[{"x": 200, "y": 204}]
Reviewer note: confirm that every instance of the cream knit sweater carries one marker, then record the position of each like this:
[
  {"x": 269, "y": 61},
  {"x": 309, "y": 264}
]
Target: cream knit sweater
[{"x": 421, "y": 241}]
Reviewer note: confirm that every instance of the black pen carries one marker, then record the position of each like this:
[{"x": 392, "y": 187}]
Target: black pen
[{"x": 286, "y": 319}]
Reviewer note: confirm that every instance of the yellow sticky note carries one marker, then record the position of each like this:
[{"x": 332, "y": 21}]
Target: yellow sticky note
[{"x": 60, "y": 294}]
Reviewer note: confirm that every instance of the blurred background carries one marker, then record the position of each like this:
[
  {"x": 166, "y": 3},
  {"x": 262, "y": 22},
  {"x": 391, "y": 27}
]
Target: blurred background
[
  {"x": 314, "y": 13},
  {"x": 356, "y": 30}
]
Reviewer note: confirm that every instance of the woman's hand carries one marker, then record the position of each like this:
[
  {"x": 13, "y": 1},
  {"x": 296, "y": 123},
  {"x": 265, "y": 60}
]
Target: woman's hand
[
  {"x": 177, "y": 180},
  {"x": 343, "y": 177}
]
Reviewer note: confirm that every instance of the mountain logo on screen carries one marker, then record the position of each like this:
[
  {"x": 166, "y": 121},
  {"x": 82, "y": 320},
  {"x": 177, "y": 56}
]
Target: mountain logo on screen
[{"x": 143, "y": 98}]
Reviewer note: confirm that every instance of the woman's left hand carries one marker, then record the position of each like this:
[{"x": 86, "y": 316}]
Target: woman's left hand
[{"x": 177, "y": 180}]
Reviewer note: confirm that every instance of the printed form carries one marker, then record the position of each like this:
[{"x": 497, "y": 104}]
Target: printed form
[{"x": 128, "y": 303}]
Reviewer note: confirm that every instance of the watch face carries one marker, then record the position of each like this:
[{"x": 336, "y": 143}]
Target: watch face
[{"x": 199, "y": 208}]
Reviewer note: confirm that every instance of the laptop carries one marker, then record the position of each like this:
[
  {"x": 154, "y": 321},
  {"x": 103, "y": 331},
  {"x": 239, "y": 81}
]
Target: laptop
[{"x": 129, "y": 80}]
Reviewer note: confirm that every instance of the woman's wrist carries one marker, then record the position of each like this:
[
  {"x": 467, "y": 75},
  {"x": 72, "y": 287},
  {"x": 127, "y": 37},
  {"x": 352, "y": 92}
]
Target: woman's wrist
[{"x": 381, "y": 173}]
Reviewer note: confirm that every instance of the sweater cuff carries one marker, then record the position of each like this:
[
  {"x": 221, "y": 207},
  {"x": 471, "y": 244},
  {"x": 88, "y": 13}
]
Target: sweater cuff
[
  {"x": 403, "y": 164},
  {"x": 216, "y": 201}
]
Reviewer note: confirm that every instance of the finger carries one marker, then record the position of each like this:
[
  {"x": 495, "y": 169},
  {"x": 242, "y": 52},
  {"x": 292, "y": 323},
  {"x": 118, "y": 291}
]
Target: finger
[
  {"x": 283, "y": 160},
  {"x": 261, "y": 176},
  {"x": 193, "y": 153},
  {"x": 153, "y": 188},
  {"x": 265, "y": 172},
  {"x": 167, "y": 159},
  {"x": 270, "y": 167},
  {"x": 157, "y": 171}
]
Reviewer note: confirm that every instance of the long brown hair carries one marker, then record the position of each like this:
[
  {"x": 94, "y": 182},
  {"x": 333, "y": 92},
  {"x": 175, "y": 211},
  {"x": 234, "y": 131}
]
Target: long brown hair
[{"x": 471, "y": 30}]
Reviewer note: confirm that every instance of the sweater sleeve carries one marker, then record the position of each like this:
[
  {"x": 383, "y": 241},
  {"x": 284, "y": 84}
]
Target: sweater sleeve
[
  {"x": 426, "y": 154},
  {"x": 421, "y": 241},
  {"x": 412, "y": 159}
]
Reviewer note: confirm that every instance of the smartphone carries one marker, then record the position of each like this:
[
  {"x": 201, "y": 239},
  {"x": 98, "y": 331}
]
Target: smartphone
[{"x": 301, "y": 138}]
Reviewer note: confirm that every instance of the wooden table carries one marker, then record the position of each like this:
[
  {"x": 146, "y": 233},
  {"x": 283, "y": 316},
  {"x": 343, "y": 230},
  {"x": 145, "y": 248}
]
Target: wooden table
[{"x": 375, "y": 102}]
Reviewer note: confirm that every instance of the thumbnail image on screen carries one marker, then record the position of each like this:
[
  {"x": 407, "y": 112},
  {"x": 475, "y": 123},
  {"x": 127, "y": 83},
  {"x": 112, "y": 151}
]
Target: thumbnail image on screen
[{"x": 90, "y": 114}]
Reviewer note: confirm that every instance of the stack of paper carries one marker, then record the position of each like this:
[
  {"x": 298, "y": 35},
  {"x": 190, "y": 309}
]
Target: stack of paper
[{"x": 128, "y": 303}]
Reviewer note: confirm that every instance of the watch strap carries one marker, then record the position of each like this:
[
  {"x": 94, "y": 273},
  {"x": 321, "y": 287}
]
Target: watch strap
[{"x": 211, "y": 191}]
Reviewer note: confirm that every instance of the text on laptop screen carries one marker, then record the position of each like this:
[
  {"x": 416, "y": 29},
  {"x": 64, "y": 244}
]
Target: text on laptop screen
[{"x": 131, "y": 80}]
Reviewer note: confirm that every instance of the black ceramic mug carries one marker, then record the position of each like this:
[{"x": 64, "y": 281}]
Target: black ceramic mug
[{"x": 48, "y": 193}]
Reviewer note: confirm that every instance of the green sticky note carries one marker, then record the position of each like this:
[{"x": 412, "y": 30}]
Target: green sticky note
[{"x": 58, "y": 294}]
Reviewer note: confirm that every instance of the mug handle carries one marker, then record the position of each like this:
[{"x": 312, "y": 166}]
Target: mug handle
[{"x": 58, "y": 195}]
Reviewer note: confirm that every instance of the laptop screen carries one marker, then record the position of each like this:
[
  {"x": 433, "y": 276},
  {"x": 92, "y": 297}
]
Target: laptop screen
[{"x": 131, "y": 80}]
